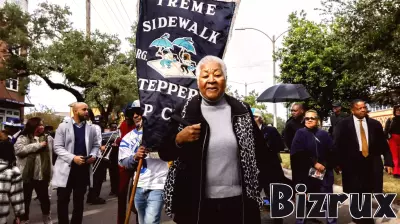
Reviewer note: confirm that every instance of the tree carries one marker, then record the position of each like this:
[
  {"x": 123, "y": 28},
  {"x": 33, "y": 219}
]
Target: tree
[
  {"x": 251, "y": 99},
  {"x": 48, "y": 116},
  {"x": 50, "y": 45},
  {"x": 370, "y": 31},
  {"x": 313, "y": 56}
]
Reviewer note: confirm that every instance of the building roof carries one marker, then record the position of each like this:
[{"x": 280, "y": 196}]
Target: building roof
[{"x": 23, "y": 104}]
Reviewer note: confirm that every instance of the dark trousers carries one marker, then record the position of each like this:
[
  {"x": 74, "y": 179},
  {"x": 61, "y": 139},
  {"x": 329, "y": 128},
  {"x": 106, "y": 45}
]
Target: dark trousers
[
  {"x": 98, "y": 178},
  {"x": 366, "y": 179},
  {"x": 224, "y": 210},
  {"x": 113, "y": 170},
  {"x": 78, "y": 181},
  {"x": 41, "y": 189}
]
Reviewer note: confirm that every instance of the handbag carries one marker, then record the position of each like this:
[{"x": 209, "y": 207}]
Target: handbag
[{"x": 312, "y": 172}]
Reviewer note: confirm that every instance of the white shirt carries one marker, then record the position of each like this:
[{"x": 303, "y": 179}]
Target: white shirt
[
  {"x": 154, "y": 171},
  {"x": 358, "y": 130}
]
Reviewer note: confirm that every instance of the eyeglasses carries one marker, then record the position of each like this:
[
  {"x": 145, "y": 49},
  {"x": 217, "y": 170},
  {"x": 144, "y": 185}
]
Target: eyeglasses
[{"x": 310, "y": 118}]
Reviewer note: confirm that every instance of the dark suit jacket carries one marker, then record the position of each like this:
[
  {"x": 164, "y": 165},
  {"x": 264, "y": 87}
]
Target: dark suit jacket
[{"x": 350, "y": 159}]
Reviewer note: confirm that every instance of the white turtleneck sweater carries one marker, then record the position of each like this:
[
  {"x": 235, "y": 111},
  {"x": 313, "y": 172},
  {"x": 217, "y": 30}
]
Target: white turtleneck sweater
[{"x": 223, "y": 172}]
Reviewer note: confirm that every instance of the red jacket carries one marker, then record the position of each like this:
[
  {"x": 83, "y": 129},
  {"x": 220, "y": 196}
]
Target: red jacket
[{"x": 124, "y": 129}]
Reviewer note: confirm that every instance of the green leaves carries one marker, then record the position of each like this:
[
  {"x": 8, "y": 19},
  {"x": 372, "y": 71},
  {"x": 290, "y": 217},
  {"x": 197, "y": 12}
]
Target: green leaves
[{"x": 52, "y": 45}]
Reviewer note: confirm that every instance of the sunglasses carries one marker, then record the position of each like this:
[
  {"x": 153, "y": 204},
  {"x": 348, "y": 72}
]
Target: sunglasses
[{"x": 310, "y": 118}]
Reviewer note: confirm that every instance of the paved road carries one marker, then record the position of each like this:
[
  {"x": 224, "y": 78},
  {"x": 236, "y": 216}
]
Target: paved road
[{"x": 107, "y": 214}]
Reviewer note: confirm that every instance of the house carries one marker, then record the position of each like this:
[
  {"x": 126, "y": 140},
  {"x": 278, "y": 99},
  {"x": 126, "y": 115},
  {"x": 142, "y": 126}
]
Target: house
[
  {"x": 380, "y": 113},
  {"x": 12, "y": 103}
]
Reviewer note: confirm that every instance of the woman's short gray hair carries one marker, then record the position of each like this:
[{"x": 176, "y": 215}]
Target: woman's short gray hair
[{"x": 211, "y": 58}]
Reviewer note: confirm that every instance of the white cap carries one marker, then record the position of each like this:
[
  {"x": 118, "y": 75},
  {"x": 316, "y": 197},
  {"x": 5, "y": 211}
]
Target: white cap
[
  {"x": 256, "y": 112},
  {"x": 136, "y": 103}
]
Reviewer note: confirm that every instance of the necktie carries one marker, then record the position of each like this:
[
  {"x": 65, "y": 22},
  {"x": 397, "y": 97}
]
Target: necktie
[{"x": 364, "y": 143}]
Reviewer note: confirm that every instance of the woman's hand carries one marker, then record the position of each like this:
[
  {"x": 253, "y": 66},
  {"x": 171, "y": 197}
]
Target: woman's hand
[
  {"x": 319, "y": 167},
  {"x": 188, "y": 134}
]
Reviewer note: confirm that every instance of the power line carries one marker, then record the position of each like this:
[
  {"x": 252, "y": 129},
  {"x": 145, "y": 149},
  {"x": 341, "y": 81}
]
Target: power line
[
  {"x": 130, "y": 21},
  {"x": 116, "y": 5},
  {"x": 100, "y": 16},
  {"x": 114, "y": 14}
]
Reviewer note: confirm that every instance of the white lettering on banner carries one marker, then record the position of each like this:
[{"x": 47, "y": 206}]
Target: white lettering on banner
[
  {"x": 142, "y": 82},
  {"x": 185, "y": 4},
  {"x": 172, "y": 21},
  {"x": 147, "y": 109},
  {"x": 152, "y": 85},
  {"x": 162, "y": 21},
  {"x": 141, "y": 54},
  {"x": 163, "y": 113},
  {"x": 172, "y": 3},
  {"x": 205, "y": 33},
  {"x": 166, "y": 87},
  {"x": 182, "y": 90},
  {"x": 162, "y": 85},
  {"x": 196, "y": 6},
  {"x": 172, "y": 88}
]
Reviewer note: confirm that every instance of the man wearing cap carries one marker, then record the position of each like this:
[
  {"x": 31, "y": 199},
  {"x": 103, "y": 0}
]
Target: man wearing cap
[
  {"x": 13, "y": 127},
  {"x": 336, "y": 117},
  {"x": 148, "y": 197},
  {"x": 124, "y": 174}
]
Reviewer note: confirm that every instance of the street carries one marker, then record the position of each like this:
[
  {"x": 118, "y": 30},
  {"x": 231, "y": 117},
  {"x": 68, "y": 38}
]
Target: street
[{"x": 99, "y": 214}]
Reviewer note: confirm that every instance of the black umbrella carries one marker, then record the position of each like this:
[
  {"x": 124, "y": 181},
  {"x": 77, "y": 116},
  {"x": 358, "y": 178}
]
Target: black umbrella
[{"x": 284, "y": 93}]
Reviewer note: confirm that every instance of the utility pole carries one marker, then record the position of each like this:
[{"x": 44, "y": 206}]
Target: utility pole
[
  {"x": 274, "y": 81},
  {"x": 88, "y": 19},
  {"x": 273, "y": 40}
]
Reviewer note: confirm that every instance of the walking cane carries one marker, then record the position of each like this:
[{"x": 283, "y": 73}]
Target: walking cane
[{"x": 132, "y": 197}]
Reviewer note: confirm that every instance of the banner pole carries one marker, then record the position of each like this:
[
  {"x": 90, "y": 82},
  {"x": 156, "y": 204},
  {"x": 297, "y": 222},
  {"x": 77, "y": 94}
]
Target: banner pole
[{"x": 132, "y": 197}]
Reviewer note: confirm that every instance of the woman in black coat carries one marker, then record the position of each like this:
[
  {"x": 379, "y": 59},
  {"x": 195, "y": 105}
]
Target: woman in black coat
[
  {"x": 222, "y": 132},
  {"x": 310, "y": 153}
]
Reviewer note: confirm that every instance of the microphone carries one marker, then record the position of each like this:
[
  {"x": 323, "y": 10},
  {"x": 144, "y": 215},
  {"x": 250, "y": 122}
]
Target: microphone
[{"x": 177, "y": 118}]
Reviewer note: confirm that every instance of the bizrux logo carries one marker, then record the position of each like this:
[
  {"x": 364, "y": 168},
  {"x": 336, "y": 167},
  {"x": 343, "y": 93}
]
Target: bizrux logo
[{"x": 322, "y": 205}]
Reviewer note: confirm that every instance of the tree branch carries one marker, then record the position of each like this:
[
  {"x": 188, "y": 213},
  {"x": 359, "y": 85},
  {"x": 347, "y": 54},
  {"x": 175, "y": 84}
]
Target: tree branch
[{"x": 73, "y": 91}]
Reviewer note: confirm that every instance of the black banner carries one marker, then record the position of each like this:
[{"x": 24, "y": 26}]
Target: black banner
[{"x": 172, "y": 36}]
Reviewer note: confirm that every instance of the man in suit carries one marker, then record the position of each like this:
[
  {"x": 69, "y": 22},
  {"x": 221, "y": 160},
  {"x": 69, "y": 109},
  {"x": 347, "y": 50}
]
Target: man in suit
[
  {"x": 75, "y": 140},
  {"x": 359, "y": 144}
]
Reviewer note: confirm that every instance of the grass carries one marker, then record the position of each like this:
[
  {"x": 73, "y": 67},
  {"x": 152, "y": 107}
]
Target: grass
[{"x": 390, "y": 184}]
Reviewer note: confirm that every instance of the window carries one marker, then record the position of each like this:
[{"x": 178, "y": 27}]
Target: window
[{"x": 12, "y": 84}]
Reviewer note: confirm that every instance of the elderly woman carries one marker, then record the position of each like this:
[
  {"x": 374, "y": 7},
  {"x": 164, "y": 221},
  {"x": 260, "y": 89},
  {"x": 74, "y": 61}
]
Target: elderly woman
[
  {"x": 310, "y": 158},
  {"x": 392, "y": 131},
  {"x": 217, "y": 159}
]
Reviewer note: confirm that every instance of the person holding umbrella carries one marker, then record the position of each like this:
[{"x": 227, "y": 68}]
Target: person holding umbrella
[
  {"x": 148, "y": 198},
  {"x": 294, "y": 123}
]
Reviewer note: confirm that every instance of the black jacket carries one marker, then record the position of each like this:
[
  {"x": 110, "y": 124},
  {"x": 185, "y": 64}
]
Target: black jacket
[
  {"x": 335, "y": 119},
  {"x": 273, "y": 138},
  {"x": 185, "y": 185},
  {"x": 292, "y": 125},
  {"x": 349, "y": 158}
]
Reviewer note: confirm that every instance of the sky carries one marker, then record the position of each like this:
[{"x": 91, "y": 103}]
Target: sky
[{"x": 248, "y": 56}]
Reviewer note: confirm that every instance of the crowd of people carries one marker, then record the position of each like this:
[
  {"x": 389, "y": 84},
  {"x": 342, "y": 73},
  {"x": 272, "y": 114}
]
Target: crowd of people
[{"x": 211, "y": 171}]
